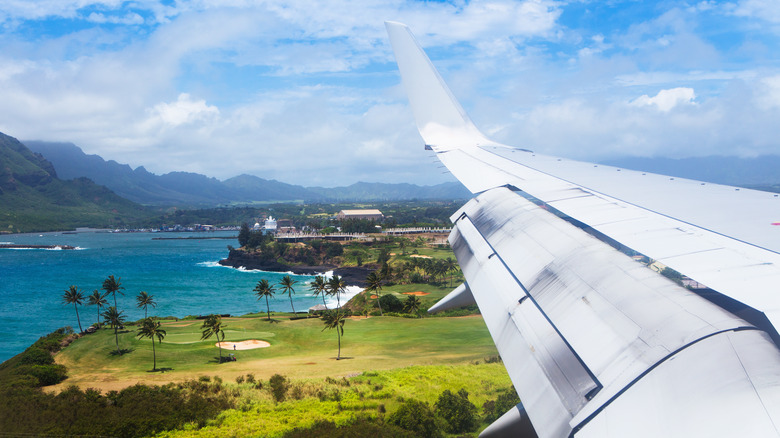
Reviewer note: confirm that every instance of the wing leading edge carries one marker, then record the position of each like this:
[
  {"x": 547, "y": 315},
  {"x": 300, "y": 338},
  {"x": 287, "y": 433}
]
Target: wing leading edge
[{"x": 595, "y": 343}]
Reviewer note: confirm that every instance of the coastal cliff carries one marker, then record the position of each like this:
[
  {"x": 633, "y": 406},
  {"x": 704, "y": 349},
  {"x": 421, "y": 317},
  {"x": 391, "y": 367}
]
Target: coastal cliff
[{"x": 352, "y": 275}]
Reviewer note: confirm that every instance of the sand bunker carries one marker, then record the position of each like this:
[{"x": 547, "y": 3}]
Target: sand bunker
[
  {"x": 243, "y": 345},
  {"x": 421, "y": 256},
  {"x": 418, "y": 293}
]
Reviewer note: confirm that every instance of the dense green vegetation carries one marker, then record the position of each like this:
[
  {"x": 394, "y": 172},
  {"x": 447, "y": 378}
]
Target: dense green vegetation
[
  {"x": 138, "y": 410},
  {"x": 35, "y": 366},
  {"x": 293, "y": 387}
]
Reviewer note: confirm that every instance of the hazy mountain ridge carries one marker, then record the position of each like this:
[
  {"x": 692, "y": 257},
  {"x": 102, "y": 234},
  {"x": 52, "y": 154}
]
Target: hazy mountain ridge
[
  {"x": 184, "y": 188},
  {"x": 33, "y": 198}
]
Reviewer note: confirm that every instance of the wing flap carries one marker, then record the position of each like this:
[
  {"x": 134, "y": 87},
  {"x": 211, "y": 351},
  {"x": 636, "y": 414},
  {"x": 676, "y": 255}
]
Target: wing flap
[{"x": 562, "y": 294}]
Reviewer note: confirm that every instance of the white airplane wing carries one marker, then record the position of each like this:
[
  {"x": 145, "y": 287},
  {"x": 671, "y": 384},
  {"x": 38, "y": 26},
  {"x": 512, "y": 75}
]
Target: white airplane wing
[{"x": 596, "y": 343}]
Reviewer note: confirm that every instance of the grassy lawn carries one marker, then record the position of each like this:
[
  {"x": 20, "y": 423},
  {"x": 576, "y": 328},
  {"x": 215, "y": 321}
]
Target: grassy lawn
[{"x": 299, "y": 349}]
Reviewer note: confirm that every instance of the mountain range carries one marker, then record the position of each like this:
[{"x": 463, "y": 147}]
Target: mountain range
[
  {"x": 33, "y": 198},
  {"x": 193, "y": 189}
]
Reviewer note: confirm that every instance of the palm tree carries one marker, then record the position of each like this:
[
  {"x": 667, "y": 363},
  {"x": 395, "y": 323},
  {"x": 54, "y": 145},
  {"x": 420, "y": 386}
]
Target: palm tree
[
  {"x": 99, "y": 300},
  {"x": 335, "y": 286},
  {"x": 264, "y": 289},
  {"x": 287, "y": 285},
  {"x": 319, "y": 287},
  {"x": 334, "y": 319},
  {"x": 145, "y": 300},
  {"x": 412, "y": 304},
  {"x": 115, "y": 319},
  {"x": 74, "y": 296},
  {"x": 374, "y": 284},
  {"x": 450, "y": 267},
  {"x": 112, "y": 286},
  {"x": 151, "y": 329},
  {"x": 213, "y": 326}
]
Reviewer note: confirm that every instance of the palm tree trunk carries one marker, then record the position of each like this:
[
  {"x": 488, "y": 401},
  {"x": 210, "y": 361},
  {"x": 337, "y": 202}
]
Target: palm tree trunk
[
  {"x": 115, "y": 306},
  {"x": 98, "y": 316},
  {"x": 338, "y": 356},
  {"x": 116, "y": 337},
  {"x": 323, "y": 301},
  {"x": 154, "y": 356},
  {"x": 219, "y": 344},
  {"x": 267, "y": 309},
  {"x": 77, "y": 316},
  {"x": 291, "y": 304}
]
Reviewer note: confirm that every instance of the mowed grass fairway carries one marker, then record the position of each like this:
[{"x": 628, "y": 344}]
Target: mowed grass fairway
[{"x": 299, "y": 349}]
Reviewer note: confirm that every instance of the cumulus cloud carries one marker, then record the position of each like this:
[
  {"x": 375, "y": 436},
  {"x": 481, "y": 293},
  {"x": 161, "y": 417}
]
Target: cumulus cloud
[
  {"x": 184, "y": 111},
  {"x": 224, "y": 87},
  {"x": 666, "y": 100}
]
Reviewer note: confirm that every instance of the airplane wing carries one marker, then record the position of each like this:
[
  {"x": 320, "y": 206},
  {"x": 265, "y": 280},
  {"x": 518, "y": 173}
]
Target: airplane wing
[{"x": 596, "y": 343}]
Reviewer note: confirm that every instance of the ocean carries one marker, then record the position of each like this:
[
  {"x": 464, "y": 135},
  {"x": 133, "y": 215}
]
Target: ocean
[{"x": 182, "y": 274}]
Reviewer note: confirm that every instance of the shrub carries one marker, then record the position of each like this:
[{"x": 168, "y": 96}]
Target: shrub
[
  {"x": 456, "y": 409},
  {"x": 297, "y": 392},
  {"x": 390, "y": 303},
  {"x": 36, "y": 356},
  {"x": 417, "y": 417},
  {"x": 493, "y": 409},
  {"x": 45, "y": 374},
  {"x": 279, "y": 387}
]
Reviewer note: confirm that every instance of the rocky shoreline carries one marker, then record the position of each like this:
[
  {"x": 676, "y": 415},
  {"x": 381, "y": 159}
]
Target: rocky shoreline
[
  {"x": 352, "y": 275},
  {"x": 14, "y": 246}
]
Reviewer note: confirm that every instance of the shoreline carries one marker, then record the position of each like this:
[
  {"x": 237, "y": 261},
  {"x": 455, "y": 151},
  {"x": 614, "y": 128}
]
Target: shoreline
[
  {"x": 18, "y": 246},
  {"x": 352, "y": 275}
]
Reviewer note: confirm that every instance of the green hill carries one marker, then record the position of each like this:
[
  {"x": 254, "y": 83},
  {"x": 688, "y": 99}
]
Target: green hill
[{"x": 32, "y": 198}]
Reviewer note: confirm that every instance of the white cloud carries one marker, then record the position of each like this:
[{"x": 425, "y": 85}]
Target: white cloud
[
  {"x": 666, "y": 100},
  {"x": 768, "y": 10},
  {"x": 243, "y": 86},
  {"x": 184, "y": 110},
  {"x": 128, "y": 19},
  {"x": 768, "y": 96}
]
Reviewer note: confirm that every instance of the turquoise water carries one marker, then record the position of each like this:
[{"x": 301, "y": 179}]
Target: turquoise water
[{"x": 183, "y": 276}]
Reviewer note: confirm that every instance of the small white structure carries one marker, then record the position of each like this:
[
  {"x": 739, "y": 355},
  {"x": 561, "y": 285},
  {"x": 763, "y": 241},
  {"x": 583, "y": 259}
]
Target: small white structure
[{"x": 270, "y": 226}]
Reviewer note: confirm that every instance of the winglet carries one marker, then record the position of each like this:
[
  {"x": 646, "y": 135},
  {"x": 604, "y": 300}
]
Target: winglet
[{"x": 442, "y": 122}]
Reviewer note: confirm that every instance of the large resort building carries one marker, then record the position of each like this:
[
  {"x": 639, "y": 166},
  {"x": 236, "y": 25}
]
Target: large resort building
[{"x": 374, "y": 215}]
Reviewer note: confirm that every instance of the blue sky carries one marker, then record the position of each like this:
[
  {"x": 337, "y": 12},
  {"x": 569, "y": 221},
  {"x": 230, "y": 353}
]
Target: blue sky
[{"x": 308, "y": 92}]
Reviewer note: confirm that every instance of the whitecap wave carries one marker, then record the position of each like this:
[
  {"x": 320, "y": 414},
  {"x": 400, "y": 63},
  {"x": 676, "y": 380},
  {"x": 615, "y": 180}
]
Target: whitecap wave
[
  {"x": 250, "y": 271},
  {"x": 350, "y": 291}
]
